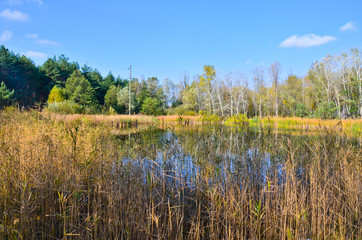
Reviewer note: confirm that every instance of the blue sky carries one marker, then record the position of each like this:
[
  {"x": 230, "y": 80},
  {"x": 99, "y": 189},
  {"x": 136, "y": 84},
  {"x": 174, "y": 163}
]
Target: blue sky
[{"x": 168, "y": 38}]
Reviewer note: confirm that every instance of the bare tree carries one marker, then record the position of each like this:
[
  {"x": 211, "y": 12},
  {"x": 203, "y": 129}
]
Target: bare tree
[
  {"x": 241, "y": 90},
  {"x": 357, "y": 74},
  {"x": 219, "y": 83},
  {"x": 343, "y": 63},
  {"x": 274, "y": 73},
  {"x": 229, "y": 84},
  {"x": 258, "y": 78}
]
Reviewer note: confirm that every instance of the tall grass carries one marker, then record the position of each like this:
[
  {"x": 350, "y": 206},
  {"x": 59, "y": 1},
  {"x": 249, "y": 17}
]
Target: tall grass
[
  {"x": 351, "y": 127},
  {"x": 75, "y": 180},
  {"x": 141, "y": 119}
]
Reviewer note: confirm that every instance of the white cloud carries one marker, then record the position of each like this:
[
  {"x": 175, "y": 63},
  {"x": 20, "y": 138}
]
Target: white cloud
[
  {"x": 14, "y": 15},
  {"x": 5, "y": 36},
  {"x": 33, "y": 35},
  {"x": 350, "y": 26},
  {"x": 305, "y": 41},
  {"x": 46, "y": 42},
  {"x": 34, "y": 54},
  {"x": 40, "y": 41},
  {"x": 20, "y": 2},
  {"x": 15, "y": 2},
  {"x": 39, "y": 2}
]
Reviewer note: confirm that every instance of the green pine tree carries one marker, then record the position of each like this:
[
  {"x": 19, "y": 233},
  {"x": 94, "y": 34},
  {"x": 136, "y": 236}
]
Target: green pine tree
[
  {"x": 79, "y": 90},
  {"x": 6, "y": 96}
]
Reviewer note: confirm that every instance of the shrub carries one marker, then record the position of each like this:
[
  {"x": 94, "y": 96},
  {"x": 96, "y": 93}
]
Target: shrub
[
  {"x": 56, "y": 95},
  {"x": 239, "y": 119},
  {"x": 326, "y": 110},
  {"x": 65, "y": 107},
  {"x": 301, "y": 110},
  {"x": 213, "y": 118}
]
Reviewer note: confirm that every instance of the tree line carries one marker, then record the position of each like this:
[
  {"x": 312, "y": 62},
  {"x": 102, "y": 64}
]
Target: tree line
[
  {"x": 331, "y": 89},
  {"x": 65, "y": 87}
]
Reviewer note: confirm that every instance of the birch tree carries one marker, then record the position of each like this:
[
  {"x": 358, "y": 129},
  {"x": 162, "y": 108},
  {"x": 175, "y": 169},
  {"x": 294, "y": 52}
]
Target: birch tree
[{"x": 274, "y": 73}]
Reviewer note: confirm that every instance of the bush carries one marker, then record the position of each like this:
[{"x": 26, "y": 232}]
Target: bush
[
  {"x": 301, "y": 110},
  {"x": 213, "y": 118},
  {"x": 179, "y": 110},
  {"x": 65, "y": 107},
  {"x": 326, "y": 110},
  {"x": 190, "y": 113},
  {"x": 239, "y": 119}
]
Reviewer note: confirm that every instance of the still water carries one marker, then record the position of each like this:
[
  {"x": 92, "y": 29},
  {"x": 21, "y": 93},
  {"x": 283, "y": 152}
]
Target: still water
[{"x": 228, "y": 153}]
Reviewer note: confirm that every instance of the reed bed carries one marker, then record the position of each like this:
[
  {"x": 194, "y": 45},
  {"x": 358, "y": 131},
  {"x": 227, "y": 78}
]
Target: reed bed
[
  {"x": 74, "y": 180},
  {"x": 141, "y": 119},
  {"x": 348, "y": 126},
  {"x": 178, "y": 118}
]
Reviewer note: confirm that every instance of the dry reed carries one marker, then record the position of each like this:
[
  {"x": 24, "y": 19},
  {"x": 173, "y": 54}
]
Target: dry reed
[{"x": 75, "y": 180}]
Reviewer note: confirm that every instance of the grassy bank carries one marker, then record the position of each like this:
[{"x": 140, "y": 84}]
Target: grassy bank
[
  {"x": 352, "y": 127},
  {"x": 76, "y": 180},
  {"x": 348, "y": 126}
]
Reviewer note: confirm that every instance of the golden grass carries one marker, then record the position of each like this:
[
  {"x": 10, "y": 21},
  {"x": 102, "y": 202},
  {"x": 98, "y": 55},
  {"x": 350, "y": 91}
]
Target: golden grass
[
  {"x": 75, "y": 180},
  {"x": 175, "y": 118},
  {"x": 351, "y": 127},
  {"x": 102, "y": 118}
]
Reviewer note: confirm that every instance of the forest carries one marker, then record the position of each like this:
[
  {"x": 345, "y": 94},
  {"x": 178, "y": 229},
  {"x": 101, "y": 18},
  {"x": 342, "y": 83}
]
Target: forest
[{"x": 331, "y": 89}]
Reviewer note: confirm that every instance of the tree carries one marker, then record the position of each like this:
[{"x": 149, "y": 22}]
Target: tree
[
  {"x": 56, "y": 95},
  {"x": 21, "y": 74},
  {"x": 6, "y": 96},
  {"x": 169, "y": 90},
  {"x": 152, "y": 106},
  {"x": 119, "y": 82},
  {"x": 301, "y": 110},
  {"x": 110, "y": 99},
  {"x": 241, "y": 91},
  {"x": 205, "y": 87},
  {"x": 79, "y": 90},
  {"x": 123, "y": 99},
  {"x": 274, "y": 73},
  {"x": 356, "y": 76},
  {"x": 219, "y": 85},
  {"x": 258, "y": 78},
  {"x": 59, "y": 69},
  {"x": 292, "y": 94},
  {"x": 189, "y": 98},
  {"x": 326, "y": 110},
  {"x": 99, "y": 84},
  {"x": 152, "y": 86}
]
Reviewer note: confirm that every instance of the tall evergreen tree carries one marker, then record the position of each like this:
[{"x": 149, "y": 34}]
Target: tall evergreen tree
[
  {"x": 21, "y": 74},
  {"x": 79, "y": 90},
  {"x": 6, "y": 96},
  {"x": 59, "y": 69}
]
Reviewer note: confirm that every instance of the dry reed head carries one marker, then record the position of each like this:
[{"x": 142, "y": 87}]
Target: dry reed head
[{"x": 74, "y": 179}]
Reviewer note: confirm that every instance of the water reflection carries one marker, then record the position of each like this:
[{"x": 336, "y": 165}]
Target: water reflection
[{"x": 224, "y": 153}]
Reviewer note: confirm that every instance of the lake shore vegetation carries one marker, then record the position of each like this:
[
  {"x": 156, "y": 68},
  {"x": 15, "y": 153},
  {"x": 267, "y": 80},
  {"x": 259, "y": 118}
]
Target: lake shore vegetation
[
  {"x": 77, "y": 180},
  {"x": 332, "y": 89}
]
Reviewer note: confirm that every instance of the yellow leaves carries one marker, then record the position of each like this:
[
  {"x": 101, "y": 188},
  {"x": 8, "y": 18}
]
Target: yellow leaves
[
  {"x": 202, "y": 82},
  {"x": 209, "y": 71},
  {"x": 208, "y": 76},
  {"x": 56, "y": 95}
]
